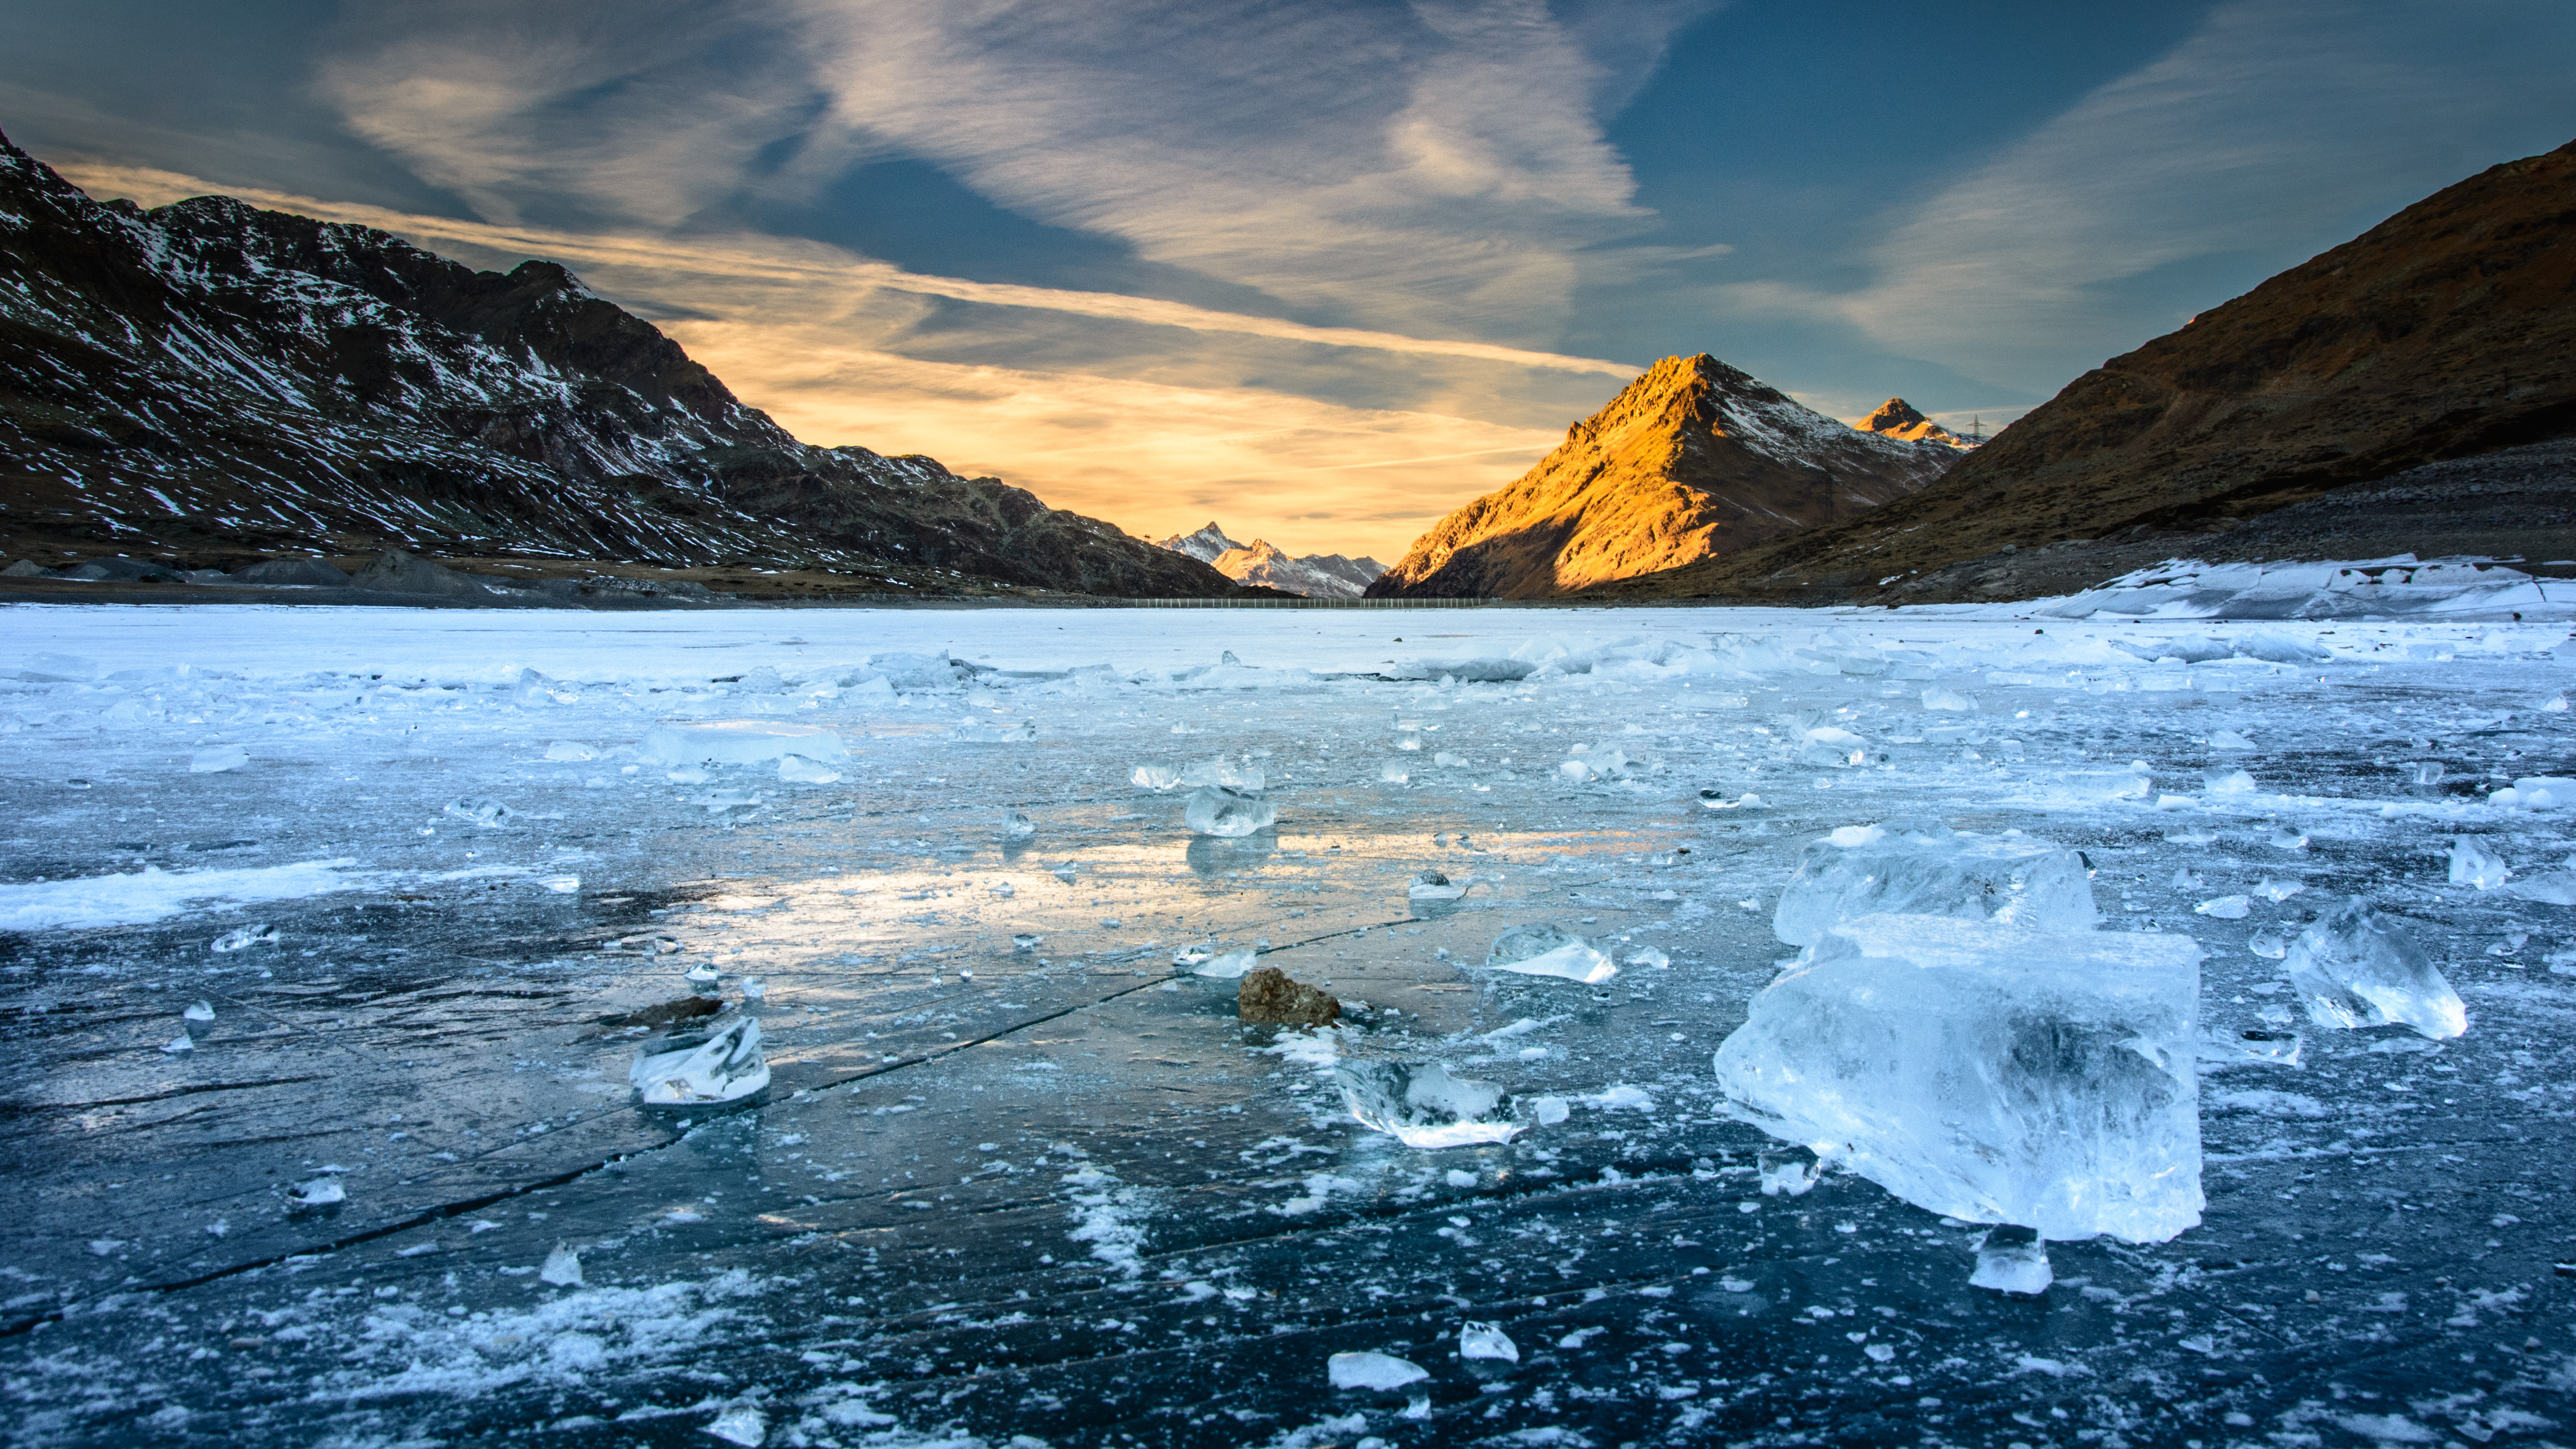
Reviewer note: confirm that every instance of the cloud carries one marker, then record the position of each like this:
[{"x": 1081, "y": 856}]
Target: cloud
[
  {"x": 813, "y": 335},
  {"x": 2276, "y": 117}
]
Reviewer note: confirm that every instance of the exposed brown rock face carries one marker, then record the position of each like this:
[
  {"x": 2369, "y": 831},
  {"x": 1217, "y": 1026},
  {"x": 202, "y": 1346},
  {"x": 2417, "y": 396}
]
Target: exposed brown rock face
[
  {"x": 208, "y": 380},
  {"x": 1268, "y": 998},
  {"x": 1896, "y": 418},
  {"x": 1693, "y": 459},
  {"x": 2446, "y": 331}
]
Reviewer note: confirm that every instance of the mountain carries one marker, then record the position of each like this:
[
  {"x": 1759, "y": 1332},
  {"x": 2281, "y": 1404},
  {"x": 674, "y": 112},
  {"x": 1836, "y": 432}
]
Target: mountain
[
  {"x": 2444, "y": 332},
  {"x": 1694, "y": 458},
  {"x": 1315, "y": 575},
  {"x": 207, "y": 382},
  {"x": 1896, "y": 418},
  {"x": 1259, "y": 564},
  {"x": 1207, "y": 545}
]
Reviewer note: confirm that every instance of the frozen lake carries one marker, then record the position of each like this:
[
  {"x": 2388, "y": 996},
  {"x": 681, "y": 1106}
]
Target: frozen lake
[{"x": 1017, "y": 1174}]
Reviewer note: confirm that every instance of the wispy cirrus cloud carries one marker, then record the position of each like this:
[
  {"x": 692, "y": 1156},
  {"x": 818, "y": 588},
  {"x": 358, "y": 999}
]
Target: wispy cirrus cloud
[{"x": 813, "y": 335}]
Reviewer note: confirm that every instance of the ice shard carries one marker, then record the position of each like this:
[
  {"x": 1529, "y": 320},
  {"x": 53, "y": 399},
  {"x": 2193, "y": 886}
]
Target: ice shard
[
  {"x": 1931, "y": 870},
  {"x": 1424, "y": 1105},
  {"x": 1989, "y": 1071},
  {"x": 720, "y": 1062},
  {"x": 2355, "y": 967}
]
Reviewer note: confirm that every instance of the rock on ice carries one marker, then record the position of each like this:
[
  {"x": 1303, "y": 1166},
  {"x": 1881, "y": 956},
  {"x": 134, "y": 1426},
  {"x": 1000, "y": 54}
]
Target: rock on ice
[
  {"x": 2355, "y": 967},
  {"x": 1930, "y": 870},
  {"x": 1988, "y": 1070}
]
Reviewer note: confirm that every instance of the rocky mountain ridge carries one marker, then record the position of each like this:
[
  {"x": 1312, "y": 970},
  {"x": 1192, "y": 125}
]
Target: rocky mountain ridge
[
  {"x": 1896, "y": 418},
  {"x": 1695, "y": 458},
  {"x": 1262, "y": 565},
  {"x": 2445, "y": 332},
  {"x": 207, "y": 383}
]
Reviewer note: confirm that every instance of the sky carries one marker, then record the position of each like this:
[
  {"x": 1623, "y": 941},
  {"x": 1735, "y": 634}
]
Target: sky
[{"x": 1318, "y": 271}]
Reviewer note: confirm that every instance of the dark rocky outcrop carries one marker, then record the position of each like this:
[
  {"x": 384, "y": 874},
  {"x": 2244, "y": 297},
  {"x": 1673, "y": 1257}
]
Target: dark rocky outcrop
[
  {"x": 1693, "y": 459},
  {"x": 208, "y": 383},
  {"x": 1267, "y": 997},
  {"x": 2445, "y": 332}
]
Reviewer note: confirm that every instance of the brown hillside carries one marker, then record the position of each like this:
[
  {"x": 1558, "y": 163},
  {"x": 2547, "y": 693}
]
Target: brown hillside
[{"x": 2446, "y": 331}]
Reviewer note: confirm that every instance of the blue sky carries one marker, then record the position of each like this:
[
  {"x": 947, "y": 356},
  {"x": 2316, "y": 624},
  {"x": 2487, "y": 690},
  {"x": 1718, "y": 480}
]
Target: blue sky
[{"x": 1320, "y": 271}]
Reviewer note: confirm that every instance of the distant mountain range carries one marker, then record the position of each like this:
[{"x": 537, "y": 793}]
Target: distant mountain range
[
  {"x": 1693, "y": 459},
  {"x": 206, "y": 384},
  {"x": 1314, "y": 576},
  {"x": 1896, "y": 418},
  {"x": 2447, "y": 332}
]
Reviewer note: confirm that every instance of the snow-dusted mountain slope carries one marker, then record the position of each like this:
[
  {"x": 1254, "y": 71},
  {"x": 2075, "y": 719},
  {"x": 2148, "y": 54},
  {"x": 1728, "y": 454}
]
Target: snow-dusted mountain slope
[
  {"x": 207, "y": 382},
  {"x": 1259, "y": 563},
  {"x": 1693, "y": 459}
]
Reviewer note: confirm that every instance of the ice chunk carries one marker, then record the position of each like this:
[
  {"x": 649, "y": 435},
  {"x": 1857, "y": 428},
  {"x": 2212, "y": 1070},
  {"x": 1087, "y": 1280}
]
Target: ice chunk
[
  {"x": 741, "y": 1424},
  {"x": 321, "y": 1192},
  {"x": 1226, "y": 774},
  {"x": 482, "y": 811},
  {"x": 570, "y": 750},
  {"x": 1988, "y": 1070},
  {"x": 2549, "y": 887},
  {"x": 1228, "y": 815},
  {"x": 1930, "y": 870},
  {"x": 702, "y": 975},
  {"x": 215, "y": 759},
  {"x": 562, "y": 885},
  {"x": 1487, "y": 1340},
  {"x": 2227, "y": 908},
  {"x": 2355, "y": 967},
  {"x": 1792, "y": 1172},
  {"x": 739, "y": 742},
  {"x": 1154, "y": 777},
  {"x": 1716, "y": 800},
  {"x": 718, "y": 1063},
  {"x": 1228, "y": 967},
  {"x": 798, "y": 770},
  {"x": 242, "y": 939},
  {"x": 2268, "y": 945},
  {"x": 1834, "y": 746},
  {"x": 2473, "y": 864},
  {"x": 1027, "y": 943},
  {"x": 1546, "y": 950},
  {"x": 2012, "y": 1259},
  {"x": 1431, "y": 885},
  {"x": 2277, "y": 890},
  {"x": 180, "y": 1043},
  {"x": 1448, "y": 760},
  {"x": 1392, "y": 773},
  {"x": 2537, "y": 792},
  {"x": 2229, "y": 740},
  {"x": 1937, "y": 697},
  {"x": 1648, "y": 956},
  {"x": 2228, "y": 782},
  {"x": 1373, "y": 1371},
  {"x": 994, "y": 732},
  {"x": 1425, "y": 1106},
  {"x": 1003, "y": 888},
  {"x": 562, "y": 1268},
  {"x": 202, "y": 1011},
  {"x": 1016, "y": 825}
]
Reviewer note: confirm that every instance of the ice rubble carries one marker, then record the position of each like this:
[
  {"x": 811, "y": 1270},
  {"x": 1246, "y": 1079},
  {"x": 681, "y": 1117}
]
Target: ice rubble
[
  {"x": 1929, "y": 869},
  {"x": 740, "y": 742},
  {"x": 2357, "y": 968},
  {"x": 718, "y": 1062},
  {"x": 1372, "y": 1371},
  {"x": 1547, "y": 950},
  {"x": 1424, "y": 1105},
  {"x": 1991, "y": 1071}
]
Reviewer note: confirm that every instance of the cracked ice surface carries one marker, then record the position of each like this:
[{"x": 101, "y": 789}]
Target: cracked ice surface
[{"x": 1013, "y": 1177}]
